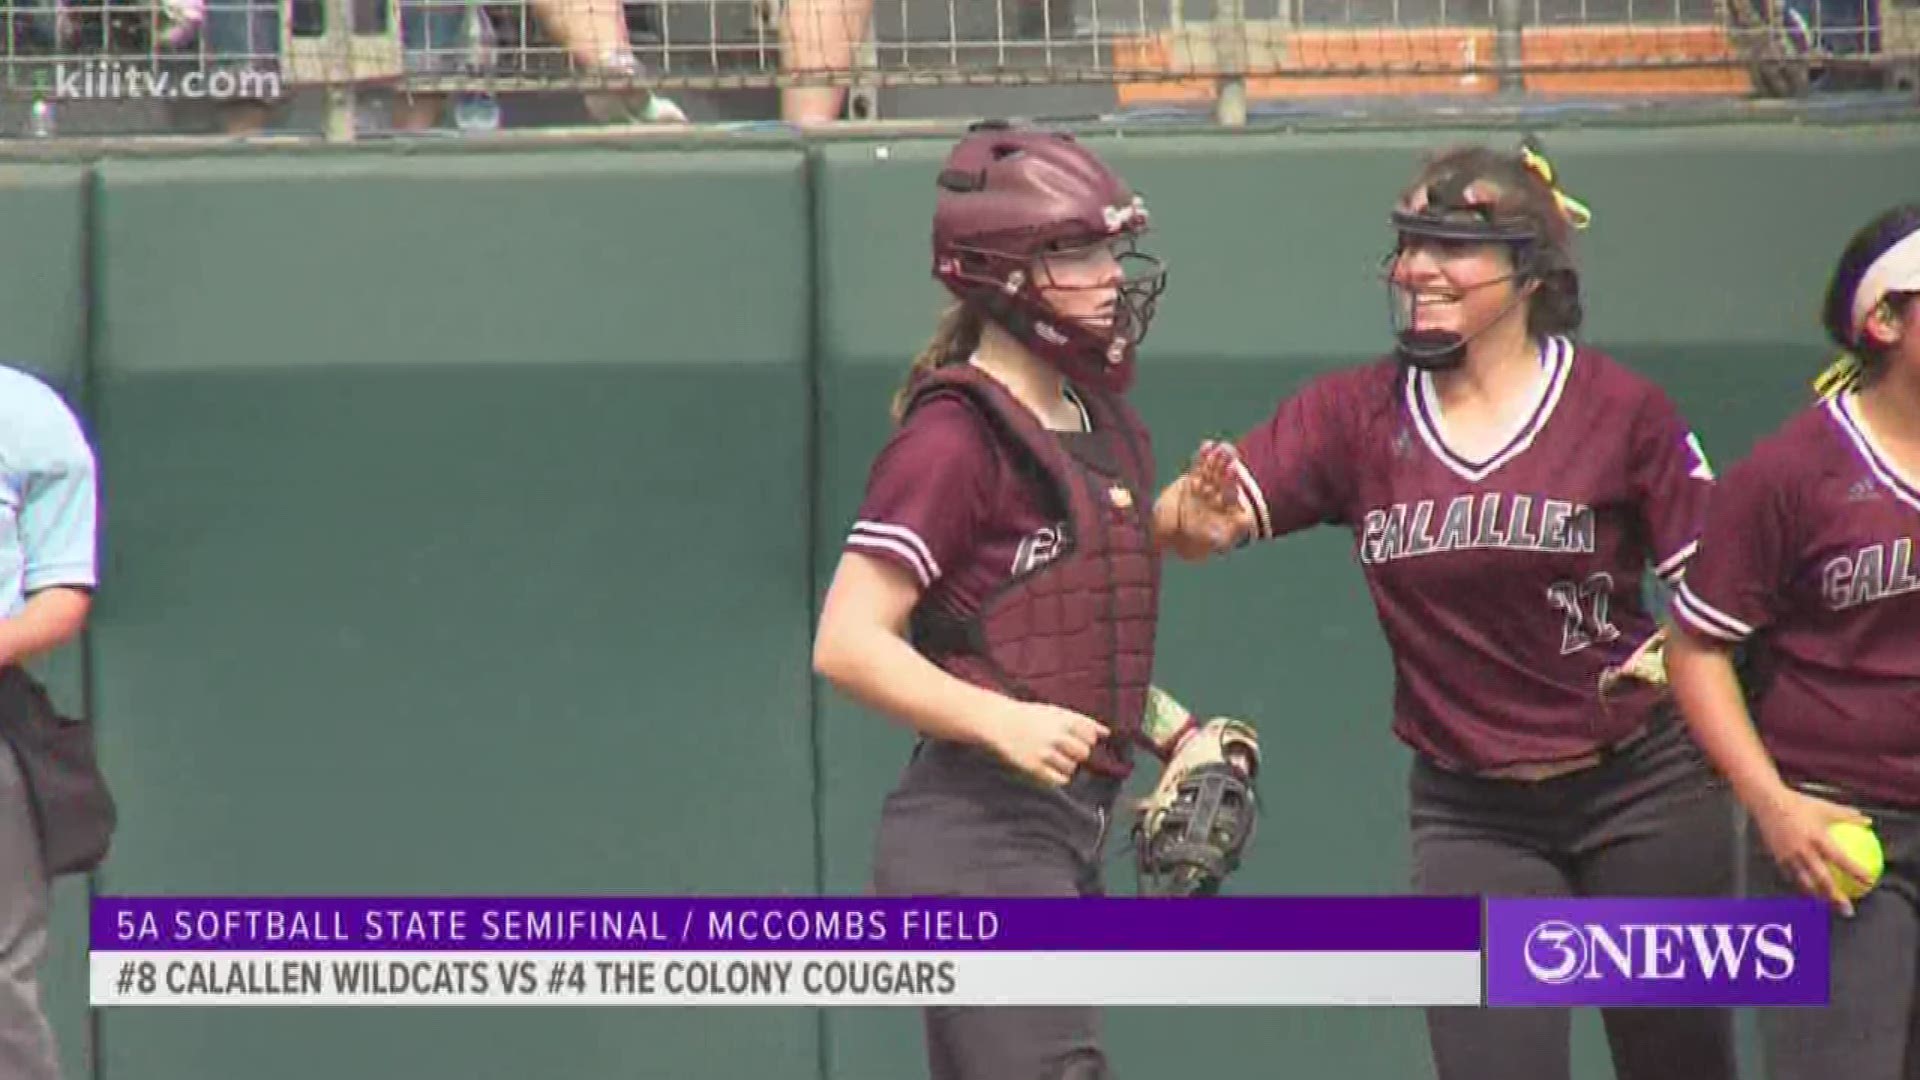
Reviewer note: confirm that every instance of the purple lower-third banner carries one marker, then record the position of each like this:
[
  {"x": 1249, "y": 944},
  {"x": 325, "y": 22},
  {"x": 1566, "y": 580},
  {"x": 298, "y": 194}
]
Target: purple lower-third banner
[
  {"x": 785, "y": 951},
  {"x": 790, "y": 924},
  {"x": 1657, "y": 952}
]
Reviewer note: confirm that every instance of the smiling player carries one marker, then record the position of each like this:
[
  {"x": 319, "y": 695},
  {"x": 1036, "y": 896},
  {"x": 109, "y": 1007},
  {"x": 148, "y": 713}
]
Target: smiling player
[{"x": 1507, "y": 489}]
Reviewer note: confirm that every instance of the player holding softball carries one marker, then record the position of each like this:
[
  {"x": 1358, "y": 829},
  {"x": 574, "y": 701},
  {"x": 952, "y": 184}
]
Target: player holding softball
[
  {"x": 1808, "y": 554},
  {"x": 1507, "y": 489},
  {"x": 999, "y": 590}
]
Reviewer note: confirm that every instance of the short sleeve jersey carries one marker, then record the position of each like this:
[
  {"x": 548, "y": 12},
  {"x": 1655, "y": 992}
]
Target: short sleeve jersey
[
  {"x": 1505, "y": 586},
  {"x": 947, "y": 504},
  {"x": 1808, "y": 553},
  {"x": 49, "y": 499}
]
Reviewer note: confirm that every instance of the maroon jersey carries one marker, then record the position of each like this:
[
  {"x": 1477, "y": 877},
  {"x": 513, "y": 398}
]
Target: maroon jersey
[
  {"x": 1079, "y": 631},
  {"x": 1030, "y": 585},
  {"x": 1809, "y": 545},
  {"x": 948, "y": 505},
  {"x": 1505, "y": 587}
]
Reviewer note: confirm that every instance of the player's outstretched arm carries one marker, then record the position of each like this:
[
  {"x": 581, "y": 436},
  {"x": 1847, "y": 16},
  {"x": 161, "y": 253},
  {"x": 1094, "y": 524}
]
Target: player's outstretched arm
[
  {"x": 1201, "y": 514},
  {"x": 861, "y": 648},
  {"x": 1794, "y": 825}
]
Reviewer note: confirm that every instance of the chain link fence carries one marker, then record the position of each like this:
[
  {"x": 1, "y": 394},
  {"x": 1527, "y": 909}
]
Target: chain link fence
[{"x": 626, "y": 60}]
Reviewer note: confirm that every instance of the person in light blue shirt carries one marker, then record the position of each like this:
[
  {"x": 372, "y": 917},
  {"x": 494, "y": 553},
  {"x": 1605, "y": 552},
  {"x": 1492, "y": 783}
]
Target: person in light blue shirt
[{"x": 48, "y": 570}]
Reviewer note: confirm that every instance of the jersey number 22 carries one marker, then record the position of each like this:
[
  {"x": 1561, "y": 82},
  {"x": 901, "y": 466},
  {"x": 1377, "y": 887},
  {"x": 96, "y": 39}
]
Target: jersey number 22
[{"x": 1584, "y": 604}]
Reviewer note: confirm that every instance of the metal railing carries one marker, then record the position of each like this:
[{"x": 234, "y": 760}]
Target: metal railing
[{"x": 629, "y": 58}]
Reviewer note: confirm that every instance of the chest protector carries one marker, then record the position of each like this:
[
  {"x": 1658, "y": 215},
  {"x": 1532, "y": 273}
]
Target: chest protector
[{"x": 1078, "y": 631}]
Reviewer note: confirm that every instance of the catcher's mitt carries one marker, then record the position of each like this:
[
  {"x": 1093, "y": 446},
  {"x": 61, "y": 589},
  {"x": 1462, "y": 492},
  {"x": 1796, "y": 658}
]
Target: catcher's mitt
[{"x": 1189, "y": 833}]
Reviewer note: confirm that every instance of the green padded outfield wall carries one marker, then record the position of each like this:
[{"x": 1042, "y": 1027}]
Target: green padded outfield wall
[
  {"x": 459, "y": 549},
  {"x": 1703, "y": 268},
  {"x": 467, "y": 513}
]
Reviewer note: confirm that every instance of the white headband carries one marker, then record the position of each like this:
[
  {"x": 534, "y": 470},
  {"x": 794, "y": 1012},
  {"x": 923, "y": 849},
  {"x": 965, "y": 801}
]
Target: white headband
[{"x": 1896, "y": 270}]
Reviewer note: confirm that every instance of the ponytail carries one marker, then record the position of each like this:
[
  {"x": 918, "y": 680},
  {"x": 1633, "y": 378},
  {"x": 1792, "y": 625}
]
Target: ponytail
[
  {"x": 954, "y": 339},
  {"x": 1849, "y": 371}
]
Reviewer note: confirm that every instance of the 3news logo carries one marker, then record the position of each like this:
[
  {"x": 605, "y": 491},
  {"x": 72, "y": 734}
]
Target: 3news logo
[
  {"x": 1657, "y": 952},
  {"x": 1558, "y": 952}
]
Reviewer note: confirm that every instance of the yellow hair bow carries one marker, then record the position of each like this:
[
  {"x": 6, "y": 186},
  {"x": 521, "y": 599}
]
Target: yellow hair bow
[
  {"x": 1575, "y": 210},
  {"x": 1839, "y": 377}
]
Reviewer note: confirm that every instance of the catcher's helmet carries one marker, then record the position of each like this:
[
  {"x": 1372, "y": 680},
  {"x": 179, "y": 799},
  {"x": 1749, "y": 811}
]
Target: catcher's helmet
[{"x": 1010, "y": 196}]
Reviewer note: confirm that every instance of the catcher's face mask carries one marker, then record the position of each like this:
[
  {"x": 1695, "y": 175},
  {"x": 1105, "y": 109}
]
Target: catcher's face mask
[
  {"x": 1197, "y": 841},
  {"x": 1450, "y": 239}
]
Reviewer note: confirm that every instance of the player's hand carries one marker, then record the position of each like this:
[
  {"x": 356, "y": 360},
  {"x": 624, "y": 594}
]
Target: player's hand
[
  {"x": 1214, "y": 484},
  {"x": 1044, "y": 742},
  {"x": 1794, "y": 826},
  {"x": 1201, "y": 514}
]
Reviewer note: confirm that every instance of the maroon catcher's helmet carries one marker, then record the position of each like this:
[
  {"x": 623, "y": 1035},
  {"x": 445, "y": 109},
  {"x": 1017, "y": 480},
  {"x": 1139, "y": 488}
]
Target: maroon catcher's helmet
[{"x": 1008, "y": 197}]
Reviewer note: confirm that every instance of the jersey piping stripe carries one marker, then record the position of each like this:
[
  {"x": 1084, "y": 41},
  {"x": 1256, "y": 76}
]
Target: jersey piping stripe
[
  {"x": 1675, "y": 567},
  {"x": 1841, "y": 407},
  {"x": 1706, "y": 618},
  {"x": 1250, "y": 496},
  {"x": 901, "y": 541},
  {"x": 1556, "y": 356},
  {"x": 1086, "y": 417}
]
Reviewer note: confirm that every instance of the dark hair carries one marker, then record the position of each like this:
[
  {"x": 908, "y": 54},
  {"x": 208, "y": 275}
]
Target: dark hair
[
  {"x": 1520, "y": 194},
  {"x": 1836, "y": 314},
  {"x": 954, "y": 339}
]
